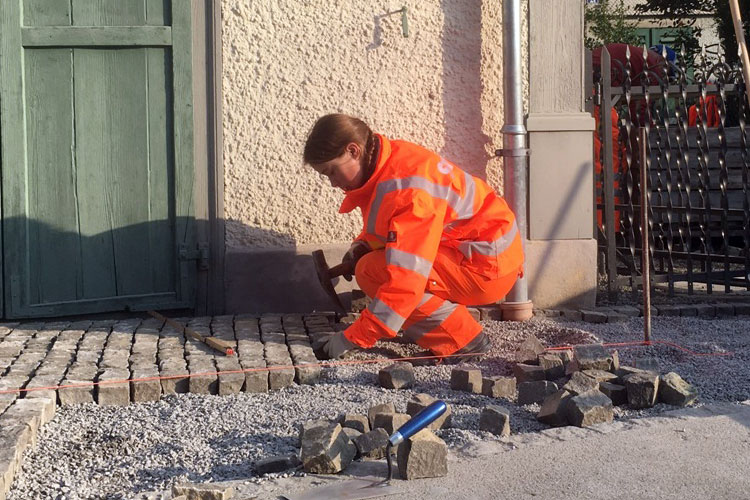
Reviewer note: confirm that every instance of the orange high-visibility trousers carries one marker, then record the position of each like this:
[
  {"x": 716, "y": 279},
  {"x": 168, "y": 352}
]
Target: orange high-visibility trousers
[{"x": 441, "y": 322}]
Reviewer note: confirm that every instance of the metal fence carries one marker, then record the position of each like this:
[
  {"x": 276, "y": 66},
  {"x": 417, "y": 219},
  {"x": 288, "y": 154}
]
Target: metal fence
[{"x": 696, "y": 160}]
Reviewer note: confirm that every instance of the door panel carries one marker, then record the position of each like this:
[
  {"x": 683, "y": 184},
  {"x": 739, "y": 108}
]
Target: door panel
[{"x": 97, "y": 155}]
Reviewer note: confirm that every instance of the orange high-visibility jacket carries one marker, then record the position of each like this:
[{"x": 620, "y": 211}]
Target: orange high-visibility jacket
[{"x": 414, "y": 202}]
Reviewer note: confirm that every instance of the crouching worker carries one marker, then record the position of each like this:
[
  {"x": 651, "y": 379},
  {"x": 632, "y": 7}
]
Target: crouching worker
[{"x": 434, "y": 240}]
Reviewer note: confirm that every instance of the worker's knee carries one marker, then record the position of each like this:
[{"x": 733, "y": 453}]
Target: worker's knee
[{"x": 370, "y": 272}]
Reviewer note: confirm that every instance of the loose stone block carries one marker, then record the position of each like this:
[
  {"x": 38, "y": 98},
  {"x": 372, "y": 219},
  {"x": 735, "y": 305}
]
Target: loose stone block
[
  {"x": 421, "y": 456},
  {"x": 495, "y": 419},
  {"x": 145, "y": 390},
  {"x": 615, "y": 362},
  {"x": 390, "y": 421},
  {"x": 499, "y": 387},
  {"x": 308, "y": 426},
  {"x": 419, "y": 402},
  {"x": 554, "y": 409},
  {"x": 466, "y": 379},
  {"x": 594, "y": 316},
  {"x": 277, "y": 463},
  {"x": 592, "y": 356},
  {"x": 352, "y": 434},
  {"x": 552, "y": 365},
  {"x": 374, "y": 410},
  {"x": 572, "y": 315},
  {"x": 600, "y": 375},
  {"x": 580, "y": 383},
  {"x": 372, "y": 445},
  {"x": 397, "y": 376},
  {"x": 647, "y": 363},
  {"x": 529, "y": 350},
  {"x": 642, "y": 389},
  {"x": 617, "y": 393},
  {"x": 528, "y": 373},
  {"x": 307, "y": 371},
  {"x": 278, "y": 378},
  {"x": 206, "y": 491},
  {"x": 535, "y": 392},
  {"x": 229, "y": 383},
  {"x": 326, "y": 450},
  {"x": 673, "y": 390},
  {"x": 354, "y": 421},
  {"x": 589, "y": 408},
  {"x": 117, "y": 394}
]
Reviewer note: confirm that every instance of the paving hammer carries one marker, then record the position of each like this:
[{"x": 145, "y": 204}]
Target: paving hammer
[
  {"x": 326, "y": 274},
  {"x": 356, "y": 489}
]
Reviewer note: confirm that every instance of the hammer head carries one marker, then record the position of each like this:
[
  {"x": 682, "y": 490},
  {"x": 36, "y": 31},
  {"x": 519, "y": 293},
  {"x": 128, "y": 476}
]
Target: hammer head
[{"x": 324, "y": 277}]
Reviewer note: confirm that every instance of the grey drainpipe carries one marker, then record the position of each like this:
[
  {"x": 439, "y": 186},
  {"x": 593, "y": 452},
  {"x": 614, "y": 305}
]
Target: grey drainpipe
[{"x": 517, "y": 306}]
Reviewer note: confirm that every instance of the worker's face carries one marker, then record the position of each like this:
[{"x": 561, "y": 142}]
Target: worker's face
[{"x": 345, "y": 171}]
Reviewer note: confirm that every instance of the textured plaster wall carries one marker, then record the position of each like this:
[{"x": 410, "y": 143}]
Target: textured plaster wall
[{"x": 287, "y": 62}]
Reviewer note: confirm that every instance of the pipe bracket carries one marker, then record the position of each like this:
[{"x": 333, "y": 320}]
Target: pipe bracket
[{"x": 516, "y": 152}]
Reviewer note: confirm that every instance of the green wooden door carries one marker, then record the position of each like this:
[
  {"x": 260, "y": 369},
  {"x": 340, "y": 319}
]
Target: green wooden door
[{"x": 97, "y": 161}]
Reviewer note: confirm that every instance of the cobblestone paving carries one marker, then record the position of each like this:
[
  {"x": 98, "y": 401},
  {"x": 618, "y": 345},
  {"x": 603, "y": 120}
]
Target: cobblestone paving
[{"x": 116, "y": 362}]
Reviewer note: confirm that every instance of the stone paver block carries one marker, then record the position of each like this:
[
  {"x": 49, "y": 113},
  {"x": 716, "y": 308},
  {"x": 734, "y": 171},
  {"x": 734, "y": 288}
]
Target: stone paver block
[
  {"x": 308, "y": 426},
  {"x": 705, "y": 310},
  {"x": 590, "y": 316},
  {"x": 148, "y": 388},
  {"x": 372, "y": 445},
  {"x": 528, "y": 373},
  {"x": 580, "y": 383},
  {"x": 280, "y": 375},
  {"x": 673, "y": 390},
  {"x": 642, "y": 389},
  {"x": 647, "y": 363},
  {"x": 630, "y": 311},
  {"x": 377, "y": 409},
  {"x": 277, "y": 463},
  {"x": 669, "y": 310},
  {"x": 742, "y": 308},
  {"x": 307, "y": 371},
  {"x": 592, "y": 356},
  {"x": 423, "y": 455},
  {"x": 76, "y": 395},
  {"x": 600, "y": 375},
  {"x": 535, "y": 392},
  {"x": 397, "y": 376},
  {"x": 256, "y": 378},
  {"x": 529, "y": 350},
  {"x": 205, "y": 491},
  {"x": 495, "y": 419},
  {"x": 616, "y": 317},
  {"x": 572, "y": 314},
  {"x": 615, "y": 392},
  {"x": 178, "y": 381},
  {"x": 554, "y": 409},
  {"x": 724, "y": 309},
  {"x": 553, "y": 365},
  {"x": 354, "y": 421},
  {"x": 390, "y": 421},
  {"x": 589, "y": 408},
  {"x": 352, "y": 434},
  {"x": 326, "y": 450},
  {"x": 688, "y": 310},
  {"x": 111, "y": 390},
  {"x": 466, "y": 379},
  {"x": 419, "y": 402},
  {"x": 499, "y": 387}
]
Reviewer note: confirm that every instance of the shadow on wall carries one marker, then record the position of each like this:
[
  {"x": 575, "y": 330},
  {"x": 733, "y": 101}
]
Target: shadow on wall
[
  {"x": 462, "y": 86},
  {"x": 52, "y": 272}
]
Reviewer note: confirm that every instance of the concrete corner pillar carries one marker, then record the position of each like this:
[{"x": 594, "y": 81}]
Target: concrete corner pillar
[{"x": 561, "y": 246}]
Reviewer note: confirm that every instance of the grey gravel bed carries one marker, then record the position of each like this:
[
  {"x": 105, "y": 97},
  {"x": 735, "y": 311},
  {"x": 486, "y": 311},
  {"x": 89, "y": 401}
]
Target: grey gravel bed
[{"x": 89, "y": 451}]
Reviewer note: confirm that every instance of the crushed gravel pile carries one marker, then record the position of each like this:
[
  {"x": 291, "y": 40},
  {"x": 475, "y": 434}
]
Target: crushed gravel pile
[{"x": 89, "y": 451}]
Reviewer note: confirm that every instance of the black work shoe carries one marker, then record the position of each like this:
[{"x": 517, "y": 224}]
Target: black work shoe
[{"x": 473, "y": 351}]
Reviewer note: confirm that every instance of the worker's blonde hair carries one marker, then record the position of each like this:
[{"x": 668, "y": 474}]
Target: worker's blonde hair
[{"x": 332, "y": 133}]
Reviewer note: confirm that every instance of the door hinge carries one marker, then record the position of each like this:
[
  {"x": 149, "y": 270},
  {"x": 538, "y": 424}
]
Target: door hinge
[{"x": 199, "y": 254}]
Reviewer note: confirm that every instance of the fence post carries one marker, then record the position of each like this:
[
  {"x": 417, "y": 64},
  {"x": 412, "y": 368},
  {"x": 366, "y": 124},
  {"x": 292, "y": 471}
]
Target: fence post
[{"x": 645, "y": 265}]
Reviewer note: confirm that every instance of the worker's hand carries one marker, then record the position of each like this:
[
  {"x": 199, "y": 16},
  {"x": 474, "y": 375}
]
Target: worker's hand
[
  {"x": 337, "y": 344},
  {"x": 352, "y": 256}
]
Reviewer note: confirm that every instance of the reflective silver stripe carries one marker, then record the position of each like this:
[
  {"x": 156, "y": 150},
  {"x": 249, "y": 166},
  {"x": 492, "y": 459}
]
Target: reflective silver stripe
[
  {"x": 489, "y": 247},
  {"x": 388, "y": 316},
  {"x": 432, "y": 322},
  {"x": 463, "y": 206},
  {"x": 408, "y": 261}
]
